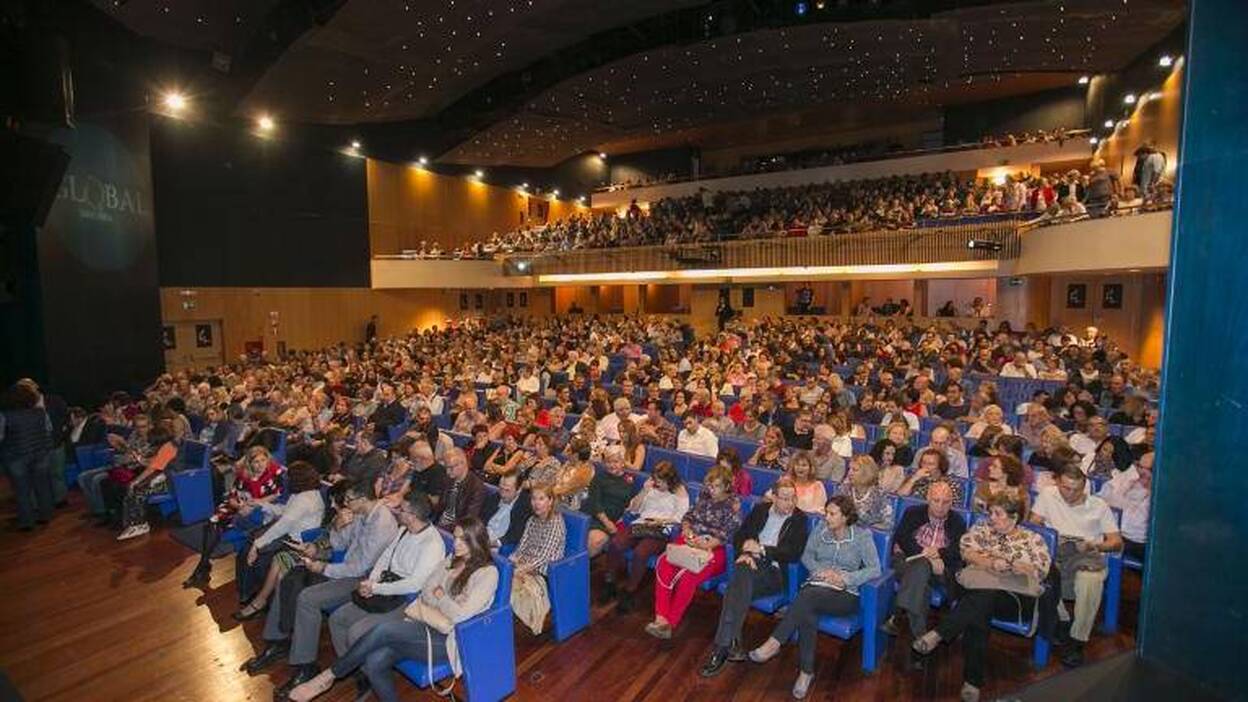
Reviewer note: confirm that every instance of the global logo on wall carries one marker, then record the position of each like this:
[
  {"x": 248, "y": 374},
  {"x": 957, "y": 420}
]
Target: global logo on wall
[{"x": 102, "y": 215}]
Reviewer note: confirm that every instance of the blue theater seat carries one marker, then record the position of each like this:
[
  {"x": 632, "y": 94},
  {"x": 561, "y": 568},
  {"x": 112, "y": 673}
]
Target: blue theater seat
[
  {"x": 568, "y": 578},
  {"x": 874, "y": 600}
]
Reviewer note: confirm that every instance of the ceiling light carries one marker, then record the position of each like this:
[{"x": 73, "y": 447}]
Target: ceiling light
[
  {"x": 174, "y": 101},
  {"x": 602, "y": 155},
  {"x": 1083, "y": 80},
  {"x": 1109, "y": 124},
  {"x": 1094, "y": 141},
  {"x": 1129, "y": 98},
  {"x": 355, "y": 144},
  {"x": 478, "y": 174},
  {"x": 524, "y": 186},
  {"x": 1165, "y": 61},
  {"x": 265, "y": 123},
  {"x": 423, "y": 160},
  {"x": 555, "y": 192}
]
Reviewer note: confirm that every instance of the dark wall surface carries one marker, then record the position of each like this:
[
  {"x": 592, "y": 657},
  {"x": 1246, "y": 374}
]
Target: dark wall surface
[
  {"x": 1063, "y": 107},
  {"x": 235, "y": 209},
  {"x": 97, "y": 263},
  {"x": 1194, "y": 608}
]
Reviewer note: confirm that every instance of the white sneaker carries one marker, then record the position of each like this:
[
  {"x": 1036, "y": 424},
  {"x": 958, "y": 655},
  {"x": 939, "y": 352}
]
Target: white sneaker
[{"x": 134, "y": 531}]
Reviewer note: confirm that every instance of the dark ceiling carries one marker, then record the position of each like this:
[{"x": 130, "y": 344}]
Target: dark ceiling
[{"x": 437, "y": 65}]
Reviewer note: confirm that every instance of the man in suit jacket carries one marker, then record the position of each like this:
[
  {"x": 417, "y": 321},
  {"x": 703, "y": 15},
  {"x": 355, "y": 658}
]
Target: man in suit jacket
[
  {"x": 925, "y": 551},
  {"x": 506, "y": 511},
  {"x": 390, "y": 413},
  {"x": 463, "y": 493},
  {"x": 772, "y": 536}
]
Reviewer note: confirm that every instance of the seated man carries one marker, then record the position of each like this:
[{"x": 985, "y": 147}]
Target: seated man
[
  {"x": 293, "y": 624},
  {"x": 507, "y": 511},
  {"x": 390, "y": 413},
  {"x": 1086, "y": 529},
  {"x": 655, "y": 430},
  {"x": 463, "y": 494},
  {"x": 404, "y": 566},
  {"x": 1129, "y": 491},
  {"x": 941, "y": 440},
  {"x": 925, "y": 551},
  {"x": 697, "y": 439},
  {"x": 772, "y": 536}
]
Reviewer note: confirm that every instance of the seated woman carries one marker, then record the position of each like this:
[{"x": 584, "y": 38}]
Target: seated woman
[
  {"x": 899, "y": 433},
  {"x": 933, "y": 465},
  {"x": 1003, "y": 475},
  {"x": 840, "y": 556},
  {"x": 337, "y": 517},
  {"x": 1112, "y": 456},
  {"x": 1001, "y": 546},
  {"x": 771, "y": 454},
  {"x": 662, "y": 503},
  {"x": 461, "y": 588},
  {"x": 609, "y": 494},
  {"x": 873, "y": 505},
  {"x": 570, "y": 480},
  {"x": 284, "y": 522},
  {"x": 892, "y": 471},
  {"x": 634, "y": 449},
  {"x": 479, "y": 453},
  {"x": 508, "y": 457},
  {"x": 542, "y": 543},
  {"x": 396, "y": 481},
  {"x": 1051, "y": 438},
  {"x": 984, "y": 443},
  {"x": 707, "y": 527},
  {"x": 742, "y": 481},
  {"x": 811, "y": 494},
  {"x": 257, "y": 480},
  {"x": 151, "y": 480}
]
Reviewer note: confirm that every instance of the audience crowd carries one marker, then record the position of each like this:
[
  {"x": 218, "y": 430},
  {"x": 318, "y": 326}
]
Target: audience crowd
[{"x": 337, "y": 468}]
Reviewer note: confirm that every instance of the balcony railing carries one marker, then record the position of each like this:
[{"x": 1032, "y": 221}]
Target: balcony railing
[{"x": 949, "y": 244}]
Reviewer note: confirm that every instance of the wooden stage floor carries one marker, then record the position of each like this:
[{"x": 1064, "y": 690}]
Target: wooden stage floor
[{"x": 83, "y": 617}]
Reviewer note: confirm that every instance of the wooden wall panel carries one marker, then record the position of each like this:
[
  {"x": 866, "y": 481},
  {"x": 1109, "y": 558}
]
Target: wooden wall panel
[
  {"x": 1157, "y": 120},
  {"x": 316, "y": 317},
  {"x": 408, "y": 204}
]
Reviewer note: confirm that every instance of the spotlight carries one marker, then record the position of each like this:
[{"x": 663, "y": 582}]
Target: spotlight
[
  {"x": 1094, "y": 141},
  {"x": 554, "y": 193},
  {"x": 1165, "y": 61},
  {"x": 1084, "y": 80},
  {"x": 423, "y": 160},
  {"x": 801, "y": 8},
  {"x": 355, "y": 144},
  {"x": 1109, "y": 124},
  {"x": 174, "y": 102},
  {"x": 265, "y": 123},
  {"x": 1129, "y": 98},
  {"x": 984, "y": 245},
  {"x": 478, "y": 174},
  {"x": 602, "y": 155},
  {"x": 524, "y": 186},
  {"x": 522, "y": 266}
]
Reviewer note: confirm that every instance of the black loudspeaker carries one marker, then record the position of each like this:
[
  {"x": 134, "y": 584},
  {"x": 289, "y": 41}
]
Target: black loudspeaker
[{"x": 30, "y": 174}]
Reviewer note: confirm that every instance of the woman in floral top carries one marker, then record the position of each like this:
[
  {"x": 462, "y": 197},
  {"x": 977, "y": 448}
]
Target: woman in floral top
[
  {"x": 772, "y": 453},
  {"x": 933, "y": 466},
  {"x": 1002, "y": 546},
  {"x": 875, "y": 507},
  {"x": 708, "y": 526},
  {"x": 257, "y": 479}
]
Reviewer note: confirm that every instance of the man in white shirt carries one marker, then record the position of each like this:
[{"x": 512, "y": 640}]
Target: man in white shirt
[
  {"x": 609, "y": 428},
  {"x": 529, "y": 384},
  {"x": 402, "y": 569},
  {"x": 1086, "y": 443},
  {"x": 1130, "y": 491},
  {"x": 1018, "y": 367},
  {"x": 1085, "y": 526},
  {"x": 697, "y": 439}
]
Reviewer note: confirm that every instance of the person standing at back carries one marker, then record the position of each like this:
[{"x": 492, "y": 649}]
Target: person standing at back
[{"x": 25, "y": 446}]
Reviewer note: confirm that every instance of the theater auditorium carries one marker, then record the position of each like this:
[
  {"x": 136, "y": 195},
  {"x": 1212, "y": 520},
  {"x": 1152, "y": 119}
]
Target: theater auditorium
[{"x": 596, "y": 350}]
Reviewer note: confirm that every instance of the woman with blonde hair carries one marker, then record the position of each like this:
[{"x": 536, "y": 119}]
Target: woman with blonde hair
[
  {"x": 875, "y": 507},
  {"x": 811, "y": 494},
  {"x": 542, "y": 544}
]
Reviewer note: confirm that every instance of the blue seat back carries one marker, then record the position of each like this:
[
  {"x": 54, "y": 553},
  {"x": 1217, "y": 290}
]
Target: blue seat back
[
  {"x": 576, "y": 526},
  {"x": 762, "y": 479},
  {"x": 679, "y": 461},
  {"x": 905, "y": 503},
  {"x": 571, "y": 420},
  {"x": 193, "y": 454},
  {"x": 744, "y": 447},
  {"x": 696, "y": 468}
]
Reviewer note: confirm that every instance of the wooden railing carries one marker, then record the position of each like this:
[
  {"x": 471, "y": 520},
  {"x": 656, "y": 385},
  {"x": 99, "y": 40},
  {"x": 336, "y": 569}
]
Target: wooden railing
[{"x": 927, "y": 245}]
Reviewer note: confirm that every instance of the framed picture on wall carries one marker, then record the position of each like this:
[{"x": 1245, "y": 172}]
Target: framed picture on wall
[
  {"x": 463, "y": 301},
  {"x": 478, "y": 301},
  {"x": 1076, "y": 296},
  {"x": 203, "y": 336},
  {"x": 1111, "y": 296},
  {"x": 747, "y": 297},
  {"x": 511, "y": 299},
  {"x": 524, "y": 299}
]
